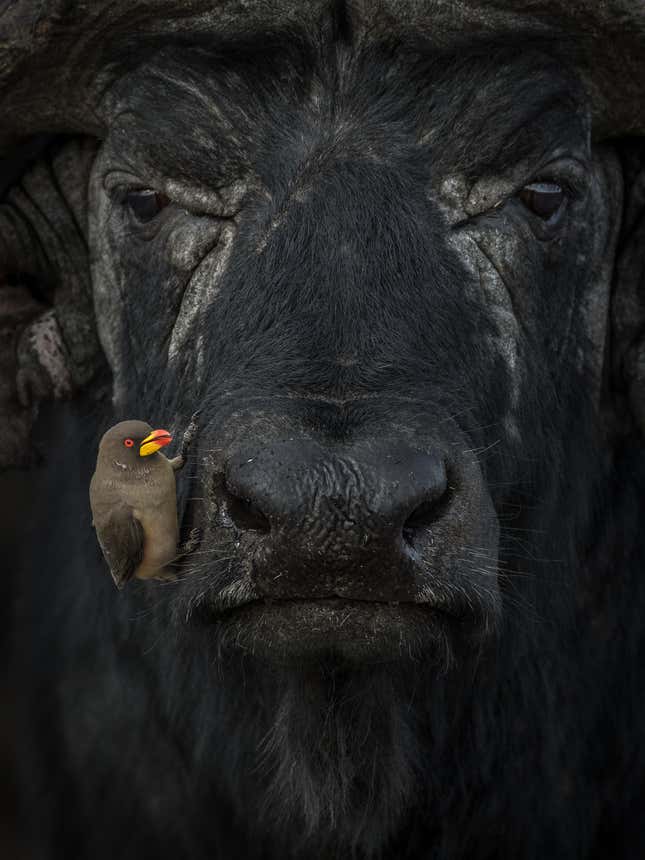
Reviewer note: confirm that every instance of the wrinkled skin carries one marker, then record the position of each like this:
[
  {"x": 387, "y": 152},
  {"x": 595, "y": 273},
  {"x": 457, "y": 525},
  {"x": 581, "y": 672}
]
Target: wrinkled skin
[{"x": 390, "y": 639}]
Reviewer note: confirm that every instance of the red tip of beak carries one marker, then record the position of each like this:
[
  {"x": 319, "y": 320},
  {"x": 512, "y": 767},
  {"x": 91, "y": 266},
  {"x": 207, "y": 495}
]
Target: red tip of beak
[{"x": 161, "y": 437}]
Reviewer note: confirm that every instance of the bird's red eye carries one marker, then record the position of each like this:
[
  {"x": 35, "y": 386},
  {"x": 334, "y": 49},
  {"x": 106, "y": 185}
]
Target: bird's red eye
[{"x": 129, "y": 443}]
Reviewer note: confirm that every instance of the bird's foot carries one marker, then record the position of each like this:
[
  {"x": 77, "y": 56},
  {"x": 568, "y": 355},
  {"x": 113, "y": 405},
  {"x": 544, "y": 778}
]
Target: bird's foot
[
  {"x": 186, "y": 441},
  {"x": 191, "y": 543}
]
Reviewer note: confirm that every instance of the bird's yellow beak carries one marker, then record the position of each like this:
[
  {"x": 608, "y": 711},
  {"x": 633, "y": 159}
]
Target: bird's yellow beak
[{"x": 156, "y": 440}]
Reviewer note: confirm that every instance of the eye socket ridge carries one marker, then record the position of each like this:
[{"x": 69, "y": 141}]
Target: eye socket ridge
[{"x": 145, "y": 203}]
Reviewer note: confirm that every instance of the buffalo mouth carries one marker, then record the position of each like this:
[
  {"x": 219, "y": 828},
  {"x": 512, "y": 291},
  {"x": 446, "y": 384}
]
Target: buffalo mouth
[
  {"x": 354, "y": 630},
  {"x": 349, "y": 629}
]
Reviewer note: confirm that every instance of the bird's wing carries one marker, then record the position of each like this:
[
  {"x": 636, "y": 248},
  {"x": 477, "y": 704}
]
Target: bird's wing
[{"x": 121, "y": 538}]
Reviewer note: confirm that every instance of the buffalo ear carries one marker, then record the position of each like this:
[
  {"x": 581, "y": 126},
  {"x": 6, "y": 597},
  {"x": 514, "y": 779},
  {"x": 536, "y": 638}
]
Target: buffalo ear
[
  {"x": 628, "y": 303},
  {"x": 48, "y": 343}
]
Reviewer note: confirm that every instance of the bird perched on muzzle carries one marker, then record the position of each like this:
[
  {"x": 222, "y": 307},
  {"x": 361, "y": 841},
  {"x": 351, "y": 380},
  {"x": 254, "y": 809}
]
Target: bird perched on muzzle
[{"x": 133, "y": 501}]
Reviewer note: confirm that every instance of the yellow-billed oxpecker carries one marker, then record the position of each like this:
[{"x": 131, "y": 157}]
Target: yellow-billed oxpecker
[{"x": 133, "y": 501}]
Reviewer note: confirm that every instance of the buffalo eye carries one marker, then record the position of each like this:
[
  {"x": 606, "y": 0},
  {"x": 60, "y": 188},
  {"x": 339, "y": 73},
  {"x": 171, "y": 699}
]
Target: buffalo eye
[
  {"x": 128, "y": 443},
  {"x": 544, "y": 199},
  {"x": 146, "y": 203}
]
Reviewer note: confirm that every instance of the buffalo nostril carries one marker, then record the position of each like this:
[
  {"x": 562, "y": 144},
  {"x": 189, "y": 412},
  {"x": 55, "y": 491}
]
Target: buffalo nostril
[
  {"x": 246, "y": 515},
  {"x": 425, "y": 515}
]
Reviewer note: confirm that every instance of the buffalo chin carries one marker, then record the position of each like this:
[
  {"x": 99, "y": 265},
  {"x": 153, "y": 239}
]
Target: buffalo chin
[{"x": 351, "y": 631}]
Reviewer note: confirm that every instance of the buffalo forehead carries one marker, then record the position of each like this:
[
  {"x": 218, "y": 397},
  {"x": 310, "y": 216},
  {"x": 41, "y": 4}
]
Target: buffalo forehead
[{"x": 220, "y": 115}]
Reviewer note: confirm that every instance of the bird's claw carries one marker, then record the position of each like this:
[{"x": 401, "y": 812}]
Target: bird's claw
[
  {"x": 191, "y": 542},
  {"x": 186, "y": 441},
  {"x": 189, "y": 434}
]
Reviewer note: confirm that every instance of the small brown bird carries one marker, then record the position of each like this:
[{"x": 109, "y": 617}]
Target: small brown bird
[{"x": 133, "y": 501}]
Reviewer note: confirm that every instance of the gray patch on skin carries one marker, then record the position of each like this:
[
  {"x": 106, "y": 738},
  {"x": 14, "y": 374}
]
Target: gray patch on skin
[
  {"x": 458, "y": 202},
  {"x": 606, "y": 201},
  {"x": 43, "y": 361},
  {"x": 199, "y": 200},
  {"x": 224, "y": 202},
  {"x": 200, "y": 244},
  {"x": 501, "y": 310},
  {"x": 106, "y": 284},
  {"x": 201, "y": 291},
  {"x": 453, "y": 192},
  {"x": 191, "y": 240},
  {"x": 490, "y": 192},
  {"x": 200, "y": 359},
  {"x": 233, "y": 194}
]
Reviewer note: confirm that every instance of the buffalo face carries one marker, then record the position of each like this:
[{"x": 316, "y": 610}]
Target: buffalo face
[{"x": 377, "y": 272}]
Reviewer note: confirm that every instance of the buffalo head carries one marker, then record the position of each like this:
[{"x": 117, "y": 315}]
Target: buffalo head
[{"x": 394, "y": 261}]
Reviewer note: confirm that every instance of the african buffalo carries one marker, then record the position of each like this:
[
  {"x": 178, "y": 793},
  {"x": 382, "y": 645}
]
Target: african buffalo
[{"x": 394, "y": 255}]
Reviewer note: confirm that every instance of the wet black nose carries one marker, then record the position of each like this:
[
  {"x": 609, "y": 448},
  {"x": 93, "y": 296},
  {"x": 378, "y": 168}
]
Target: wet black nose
[{"x": 343, "y": 522}]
